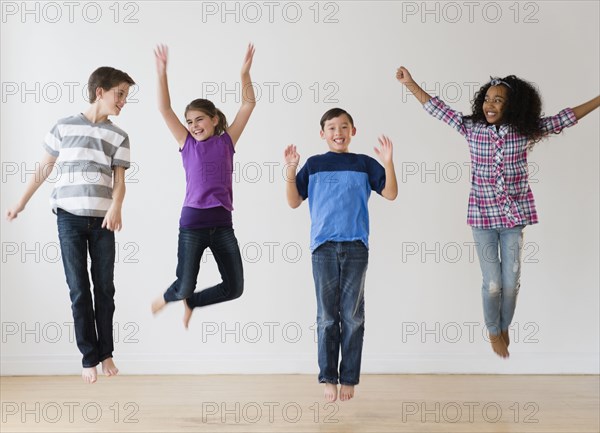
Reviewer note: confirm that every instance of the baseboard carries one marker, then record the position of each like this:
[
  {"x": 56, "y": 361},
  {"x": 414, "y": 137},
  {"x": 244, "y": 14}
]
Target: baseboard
[{"x": 215, "y": 363}]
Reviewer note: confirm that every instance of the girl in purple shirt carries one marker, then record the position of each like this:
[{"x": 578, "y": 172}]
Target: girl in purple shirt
[
  {"x": 207, "y": 146},
  {"x": 505, "y": 123}
]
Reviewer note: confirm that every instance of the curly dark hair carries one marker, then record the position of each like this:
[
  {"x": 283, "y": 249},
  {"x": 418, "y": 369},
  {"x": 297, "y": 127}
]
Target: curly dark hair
[{"x": 523, "y": 109}]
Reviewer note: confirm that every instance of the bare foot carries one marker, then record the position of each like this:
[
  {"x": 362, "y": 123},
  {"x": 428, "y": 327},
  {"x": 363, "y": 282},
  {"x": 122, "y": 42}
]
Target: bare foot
[
  {"x": 89, "y": 374},
  {"x": 346, "y": 392},
  {"x": 109, "y": 368},
  {"x": 187, "y": 314},
  {"x": 505, "y": 337},
  {"x": 331, "y": 392},
  {"x": 499, "y": 346},
  {"x": 158, "y": 304}
]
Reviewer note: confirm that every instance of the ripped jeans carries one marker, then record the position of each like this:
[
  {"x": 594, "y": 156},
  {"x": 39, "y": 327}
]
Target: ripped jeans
[{"x": 499, "y": 251}]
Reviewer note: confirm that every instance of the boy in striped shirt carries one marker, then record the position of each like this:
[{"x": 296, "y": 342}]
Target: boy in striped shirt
[{"x": 91, "y": 155}]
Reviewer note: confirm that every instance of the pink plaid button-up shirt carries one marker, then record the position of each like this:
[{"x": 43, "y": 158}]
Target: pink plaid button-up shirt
[{"x": 500, "y": 194}]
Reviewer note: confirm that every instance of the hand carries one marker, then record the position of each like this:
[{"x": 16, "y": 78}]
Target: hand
[
  {"x": 291, "y": 156},
  {"x": 112, "y": 219},
  {"x": 13, "y": 212},
  {"x": 161, "y": 53},
  {"x": 385, "y": 150},
  {"x": 248, "y": 59},
  {"x": 403, "y": 75}
]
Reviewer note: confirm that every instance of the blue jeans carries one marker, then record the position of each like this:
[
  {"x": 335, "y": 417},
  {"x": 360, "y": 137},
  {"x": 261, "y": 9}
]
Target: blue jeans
[
  {"x": 224, "y": 246},
  {"x": 92, "y": 319},
  {"x": 339, "y": 271},
  {"x": 501, "y": 272}
]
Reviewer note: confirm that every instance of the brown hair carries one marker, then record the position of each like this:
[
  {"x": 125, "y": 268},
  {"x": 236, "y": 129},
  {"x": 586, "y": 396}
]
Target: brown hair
[
  {"x": 208, "y": 108},
  {"x": 106, "y": 78}
]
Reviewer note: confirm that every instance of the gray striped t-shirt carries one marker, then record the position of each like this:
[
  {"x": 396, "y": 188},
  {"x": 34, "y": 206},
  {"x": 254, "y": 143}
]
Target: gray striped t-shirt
[{"x": 86, "y": 153}]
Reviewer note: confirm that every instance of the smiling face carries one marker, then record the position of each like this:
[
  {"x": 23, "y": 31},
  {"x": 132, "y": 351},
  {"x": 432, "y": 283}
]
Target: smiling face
[
  {"x": 112, "y": 100},
  {"x": 494, "y": 104},
  {"x": 338, "y": 133},
  {"x": 200, "y": 124}
]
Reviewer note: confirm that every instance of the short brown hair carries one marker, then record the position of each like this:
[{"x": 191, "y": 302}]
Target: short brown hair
[{"x": 106, "y": 78}]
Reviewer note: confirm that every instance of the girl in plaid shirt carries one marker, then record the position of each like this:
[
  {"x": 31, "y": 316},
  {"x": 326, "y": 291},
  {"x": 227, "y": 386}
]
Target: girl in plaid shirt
[{"x": 505, "y": 123}]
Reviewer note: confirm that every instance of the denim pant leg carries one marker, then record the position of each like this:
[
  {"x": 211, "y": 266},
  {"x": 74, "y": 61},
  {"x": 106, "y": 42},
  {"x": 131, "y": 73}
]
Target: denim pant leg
[
  {"x": 326, "y": 273},
  {"x": 192, "y": 243},
  {"x": 73, "y": 237},
  {"x": 354, "y": 260},
  {"x": 102, "y": 254},
  {"x": 511, "y": 246},
  {"x": 226, "y": 251},
  {"x": 486, "y": 243}
]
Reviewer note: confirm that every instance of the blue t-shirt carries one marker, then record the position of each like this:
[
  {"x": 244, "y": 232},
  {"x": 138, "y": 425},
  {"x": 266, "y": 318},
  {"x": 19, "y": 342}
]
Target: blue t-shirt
[{"x": 338, "y": 186}]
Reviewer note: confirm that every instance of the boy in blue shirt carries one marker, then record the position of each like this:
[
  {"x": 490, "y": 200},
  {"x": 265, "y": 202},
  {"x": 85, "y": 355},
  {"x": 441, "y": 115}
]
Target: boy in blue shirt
[{"x": 338, "y": 185}]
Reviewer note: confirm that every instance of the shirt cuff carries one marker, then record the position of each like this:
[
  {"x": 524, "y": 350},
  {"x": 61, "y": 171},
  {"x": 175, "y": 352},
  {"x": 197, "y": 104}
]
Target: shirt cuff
[
  {"x": 50, "y": 150},
  {"x": 567, "y": 117},
  {"x": 120, "y": 163},
  {"x": 431, "y": 105}
]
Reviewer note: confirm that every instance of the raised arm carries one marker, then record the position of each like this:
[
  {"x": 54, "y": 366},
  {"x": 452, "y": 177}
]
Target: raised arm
[
  {"x": 177, "y": 128},
  {"x": 248, "y": 99},
  {"x": 292, "y": 158},
  {"x": 586, "y": 108},
  {"x": 405, "y": 78},
  {"x": 42, "y": 172},
  {"x": 112, "y": 219},
  {"x": 385, "y": 153}
]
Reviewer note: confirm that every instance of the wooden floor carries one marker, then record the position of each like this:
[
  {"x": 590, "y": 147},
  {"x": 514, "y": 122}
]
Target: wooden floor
[{"x": 293, "y": 403}]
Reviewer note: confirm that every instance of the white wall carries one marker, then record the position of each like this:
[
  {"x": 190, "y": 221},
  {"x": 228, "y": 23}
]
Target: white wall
[{"x": 423, "y": 307}]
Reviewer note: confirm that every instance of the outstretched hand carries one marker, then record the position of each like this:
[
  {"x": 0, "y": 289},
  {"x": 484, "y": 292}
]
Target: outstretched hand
[
  {"x": 161, "y": 54},
  {"x": 403, "y": 75},
  {"x": 385, "y": 150},
  {"x": 248, "y": 59},
  {"x": 292, "y": 157}
]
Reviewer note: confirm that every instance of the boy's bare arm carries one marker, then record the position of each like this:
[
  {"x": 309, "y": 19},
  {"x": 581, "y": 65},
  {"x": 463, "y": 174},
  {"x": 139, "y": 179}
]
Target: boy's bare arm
[
  {"x": 112, "y": 219},
  {"x": 42, "y": 172}
]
